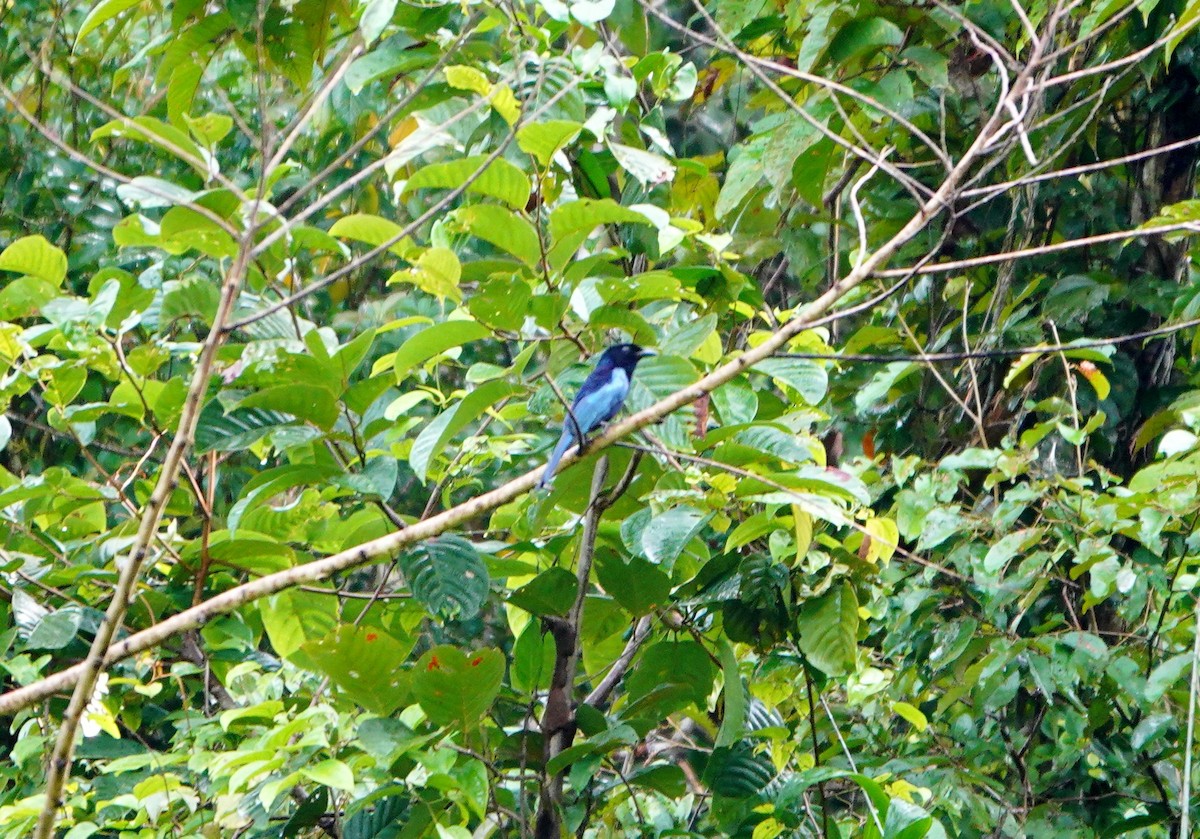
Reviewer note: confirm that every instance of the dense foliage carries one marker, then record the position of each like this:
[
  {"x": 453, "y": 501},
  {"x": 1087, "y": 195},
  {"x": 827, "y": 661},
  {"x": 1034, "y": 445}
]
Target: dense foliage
[{"x": 901, "y": 538}]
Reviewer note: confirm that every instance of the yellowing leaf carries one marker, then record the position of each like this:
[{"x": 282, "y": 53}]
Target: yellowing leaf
[
  {"x": 331, "y": 773},
  {"x": 1020, "y": 366},
  {"x": 884, "y": 535},
  {"x": 436, "y": 271},
  {"x": 710, "y": 350},
  {"x": 912, "y": 714},
  {"x": 35, "y": 257},
  {"x": 1097, "y": 379},
  {"x": 505, "y": 103},
  {"x": 804, "y": 531},
  {"x": 468, "y": 78}
]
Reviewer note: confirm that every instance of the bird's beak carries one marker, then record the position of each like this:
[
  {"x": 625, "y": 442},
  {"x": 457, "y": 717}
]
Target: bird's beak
[{"x": 645, "y": 353}]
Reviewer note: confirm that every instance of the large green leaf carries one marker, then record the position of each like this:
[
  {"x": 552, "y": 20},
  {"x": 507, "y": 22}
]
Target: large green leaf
[
  {"x": 35, "y": 257},
  {"x": 638, "y": 585},
  {"x": 827, "y": 629},
  {"x": 293, "y": 618},
  {"x": 808, "y": 377},
  {"x": 158, "y": 133},
  {"x": 502, "y": 303},
  {"x": 543, "y": 139},
  {"x": 668, "y": 534},
  {"x": 737, "y": 771},
  {"x": 503, "y": 228},
  {"x": 434, "y": 340},
  {"x": 457, "y": 688},
  {"x": 681, "y": 663},
  {"x": 441, "y": 430},
  {"x": 273, "y": 482},
  {"x": 372, "y": 230},
  {"x": 734, "y": 692},
  {"x": 56, "y": 629},
  {"x": 550, "y": 593},
  {"x": 364, "y": 662},
  {"x": 586, "y": 214},
  {"x": 448, "y": 575},
  {"x": 218, "y": 431},
  {"x": 500, "y": 179},
  {"x": 101, "y": 13},
  {"x": 313, "y": 403},
  {"x": 384, "y": 821}
]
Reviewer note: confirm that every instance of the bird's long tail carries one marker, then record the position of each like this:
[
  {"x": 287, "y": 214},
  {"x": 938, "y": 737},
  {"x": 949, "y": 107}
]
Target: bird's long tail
[{"x": 564, "y": 442}]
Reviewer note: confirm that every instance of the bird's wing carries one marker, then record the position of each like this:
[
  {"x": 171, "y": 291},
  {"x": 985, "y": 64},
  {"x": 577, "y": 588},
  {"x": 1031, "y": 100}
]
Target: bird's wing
[{"x": 599, "y": 400}]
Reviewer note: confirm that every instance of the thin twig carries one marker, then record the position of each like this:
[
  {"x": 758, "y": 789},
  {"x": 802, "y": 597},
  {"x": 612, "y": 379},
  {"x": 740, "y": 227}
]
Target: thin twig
[{"x": 1185, "y": 786}]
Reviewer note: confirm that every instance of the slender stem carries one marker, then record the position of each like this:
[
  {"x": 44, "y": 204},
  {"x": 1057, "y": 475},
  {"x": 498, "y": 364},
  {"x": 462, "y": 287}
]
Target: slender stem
[{"x": 1185, "y": 786}]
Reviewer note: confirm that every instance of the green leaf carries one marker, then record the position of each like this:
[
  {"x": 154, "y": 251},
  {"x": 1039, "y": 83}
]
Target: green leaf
[
  {"x": 55, "y": 630},
  {"x": 503, "y": 228},
  {"x": 376, "y": 15},
  {"x": 148, "y": 192},
  {"x": 533, "y": 659},
  {"x": 827, "y": 627},
  {"x": 371, "y": 230},
  {"x": 502, "y": 303},
  {"x": 737, "y": 772},
  {"x": 468, "y": 78},
  {"x": 293, "y": 618},
  {"x": 734, "y": 723},
  {"x": 181, "y": 92},
  {"x": 543, "y": 139},
  {"x": 862, "y": 37},
  {"x": 688, "y": 338},
  {"x": 500, "y": 179},
  {"x": 237, "y": 430},
  {"x": 1187, "y": 22},
  {"x": 681, "y": 663},
  {"x": 437, "y": 271},
  {"x": 330, "y": 772},
  {"x": 669, "y": 533},
  {"x": 805, "y": 376},
  {"x": 744, "y": 174},
  {"x": 209, "y": 129},
  {"x": 396, "y": 56},
  {"x": 157, "y": 133},
  {"x": 550, "y": 593},
  {"x": 100, "y": 14},
  {"x": 382, "y": 821},
  {"x": 35, "y": 257},
  {"x": 434, "y": 437},
  {"x": 587, "y": 214},
  {"x": 906, "y": 820},
  {"x": 434, "y": 340},
  {"x": 457, "y": 689},
  {"x": 1165, "y": 675},
  {"x": 646, "y": 167},
  {"x": 448, "y": 576},
  {"x": 912, "y": 714},
  {"x": 313, "y": 403},
  {"x": 266, "y": 485},
  {"x": 736, "y": 402},
  {"x": 639, "y": 586},
  {"x": 364, "y": 662}
]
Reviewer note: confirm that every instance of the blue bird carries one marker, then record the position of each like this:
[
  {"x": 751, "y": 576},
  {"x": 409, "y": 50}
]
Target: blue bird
[{"x": 600, "y": 397}]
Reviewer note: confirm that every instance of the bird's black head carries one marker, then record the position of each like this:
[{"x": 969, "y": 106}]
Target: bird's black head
[{"x": 625, "y": 356}]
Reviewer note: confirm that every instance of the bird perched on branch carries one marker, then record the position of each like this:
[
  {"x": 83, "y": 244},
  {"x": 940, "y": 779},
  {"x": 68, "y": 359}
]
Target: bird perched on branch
[{"x": 600, "y": 397}]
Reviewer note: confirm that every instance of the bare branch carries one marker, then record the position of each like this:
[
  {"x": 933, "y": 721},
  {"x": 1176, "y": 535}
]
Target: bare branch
[
  {"x": 91, "y": 668},
  {"x": 1042, "y": 250}
]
